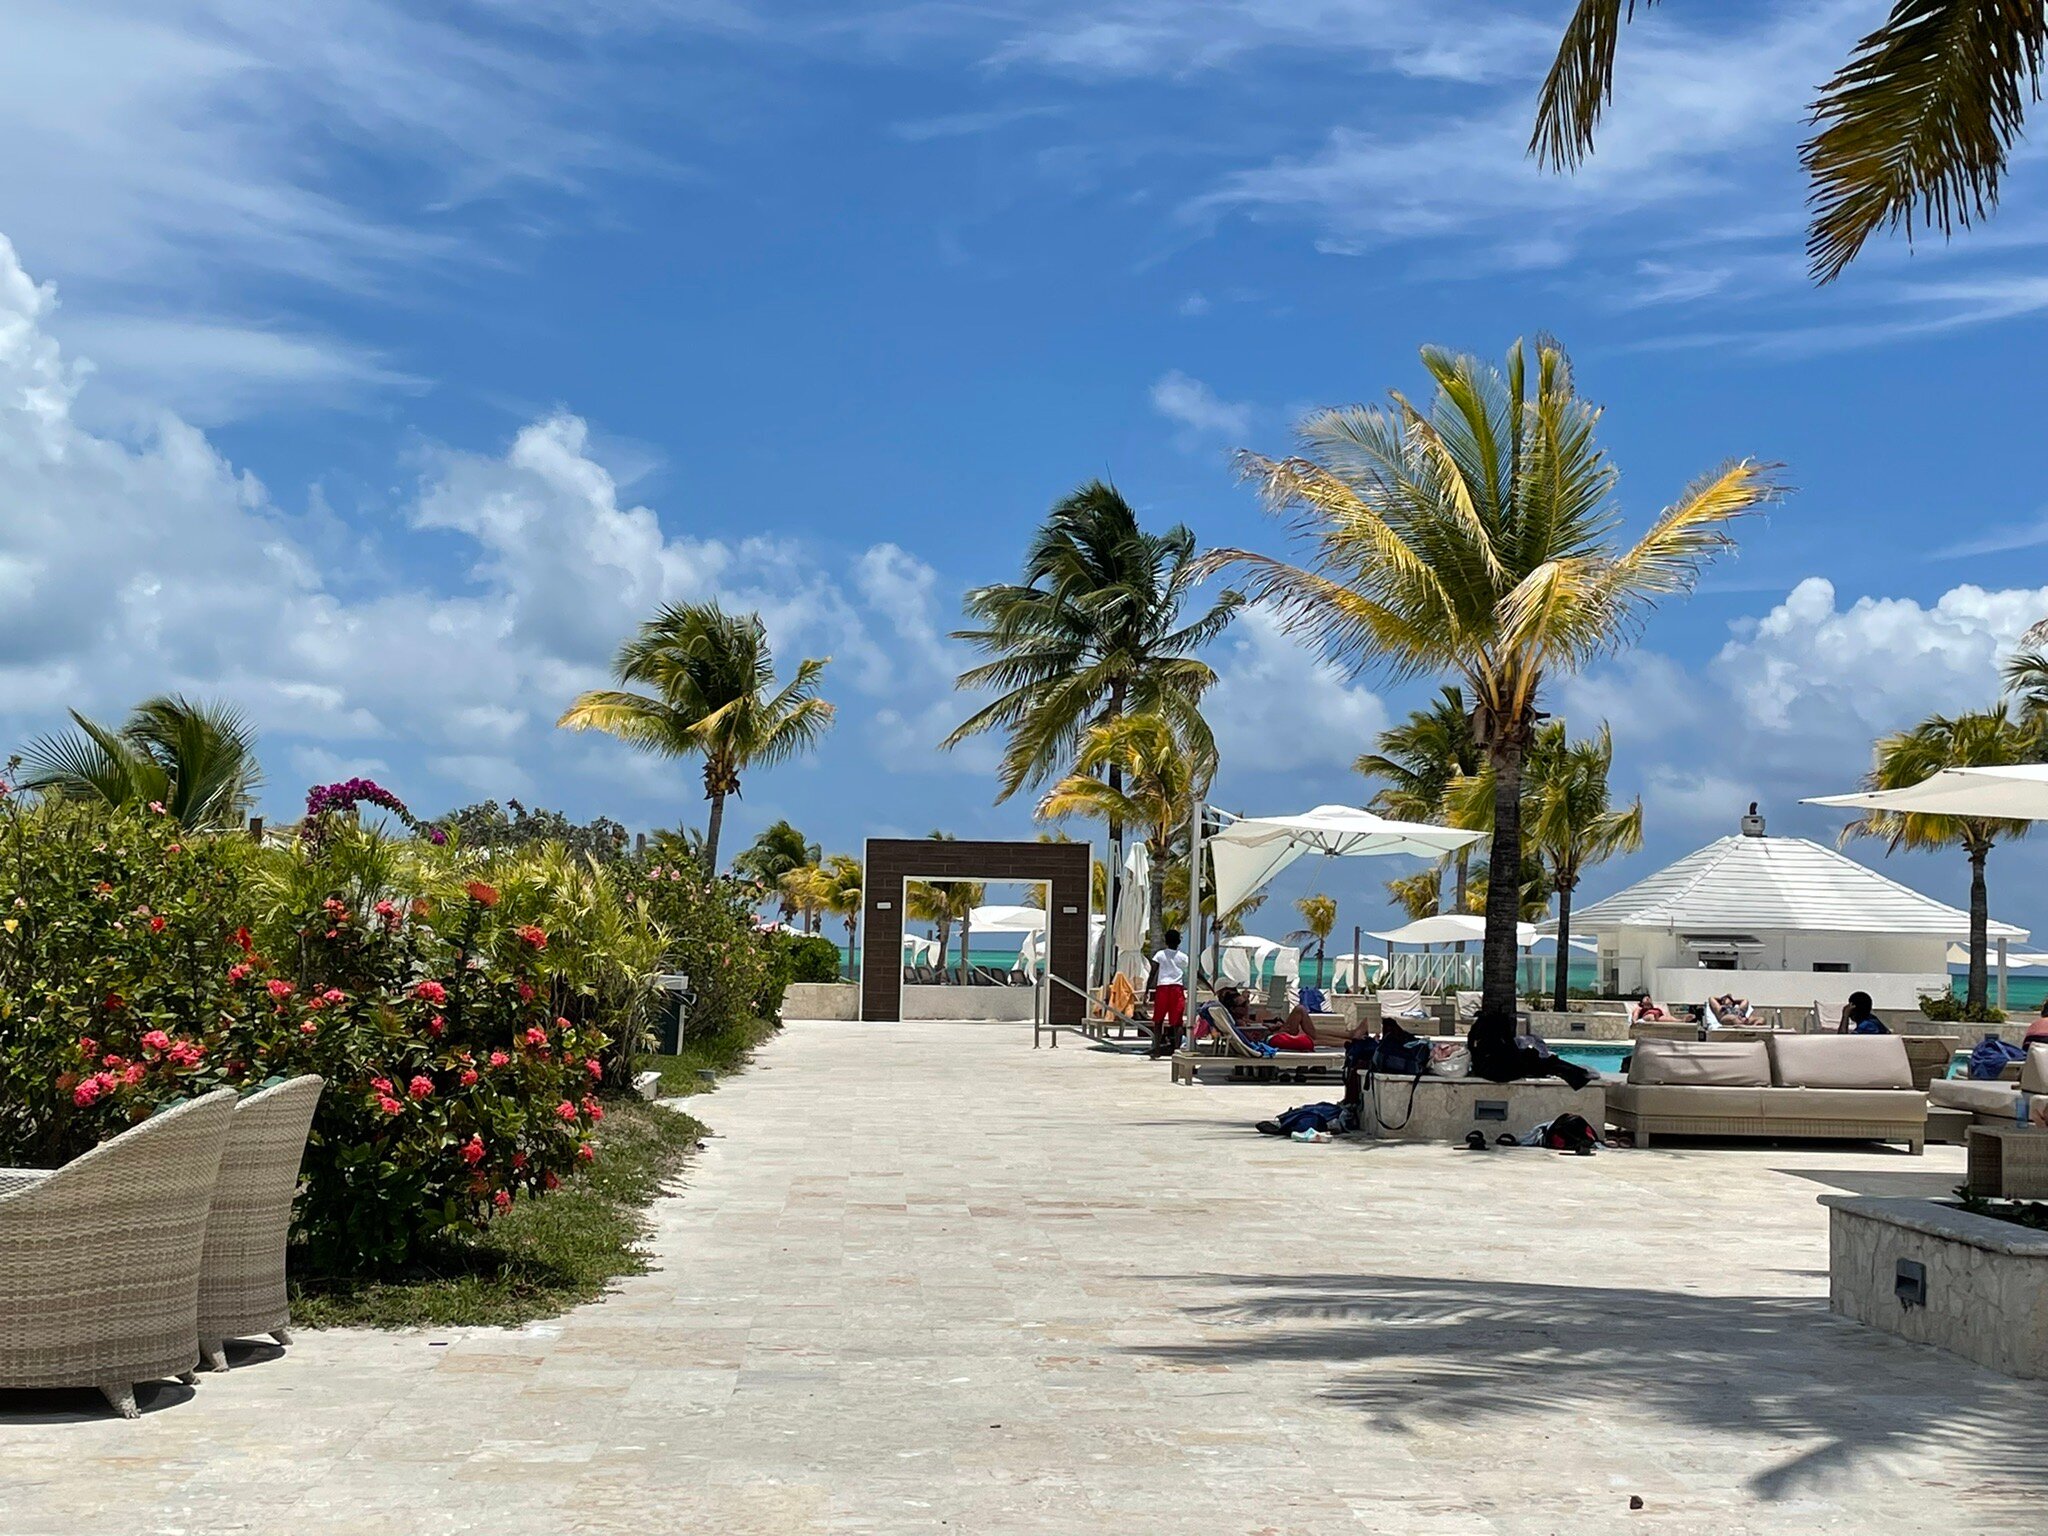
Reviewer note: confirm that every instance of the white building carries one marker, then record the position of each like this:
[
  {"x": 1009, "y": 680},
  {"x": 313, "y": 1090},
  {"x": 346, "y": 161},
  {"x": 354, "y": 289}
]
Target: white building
[{"x": 1779, "y": 920}]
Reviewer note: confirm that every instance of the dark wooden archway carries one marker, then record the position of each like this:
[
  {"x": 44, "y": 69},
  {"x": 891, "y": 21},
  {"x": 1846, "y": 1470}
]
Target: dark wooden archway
[{"x": 892, "y": 861}]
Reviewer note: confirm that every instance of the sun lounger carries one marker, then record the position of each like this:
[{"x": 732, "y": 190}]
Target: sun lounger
[
  {"x": 1231, "y": 1049},
  {"x": 1467, "y": 1004},
  {"x": 1402, "y": 1004}
]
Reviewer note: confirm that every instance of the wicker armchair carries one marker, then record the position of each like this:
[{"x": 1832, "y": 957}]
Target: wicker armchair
[
  {"x": 99, "y": 1259},
  {"x": 241, "y": 1280}
]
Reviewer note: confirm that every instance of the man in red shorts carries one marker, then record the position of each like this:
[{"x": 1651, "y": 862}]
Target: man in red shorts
[{"x": 1169, "y": 987}]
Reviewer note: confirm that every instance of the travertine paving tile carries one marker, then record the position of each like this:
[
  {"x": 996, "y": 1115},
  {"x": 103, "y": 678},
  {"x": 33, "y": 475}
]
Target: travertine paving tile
[{"x": 926, "y": 1279}]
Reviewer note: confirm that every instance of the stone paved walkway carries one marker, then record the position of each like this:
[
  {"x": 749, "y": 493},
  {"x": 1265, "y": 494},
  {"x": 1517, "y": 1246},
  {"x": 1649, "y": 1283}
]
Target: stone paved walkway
[{"x": 928, "y": 1280}]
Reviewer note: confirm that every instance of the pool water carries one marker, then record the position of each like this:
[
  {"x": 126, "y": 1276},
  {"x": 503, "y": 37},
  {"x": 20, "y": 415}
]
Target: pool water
[{"x": 1601, "y": 1056}]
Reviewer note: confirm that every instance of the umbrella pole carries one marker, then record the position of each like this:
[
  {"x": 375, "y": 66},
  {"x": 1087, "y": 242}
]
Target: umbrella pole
[
  {"x": 1194, "y": 934},
  {"x": 2002, "y": 968}
]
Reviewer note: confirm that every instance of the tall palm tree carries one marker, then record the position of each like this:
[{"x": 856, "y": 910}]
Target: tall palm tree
[
  {"x": 712, "y": 695},
  {"x": 1094, "y": 631},
  {"x": 1153, "y": 789},
  {"x": 1568, "y": 821},
  {"x": 1418, "y": 895},
  {"x": 779, "y": 850},
  {"x": 198, "y": 761},
  {"x": 1416, "y": 765},
  {"x": 842, "y": 893},
  {"x": 1917, "y": 125},
  {"x": 1985, "y": 738},
  {"x": 804, "y": 890},
  {"x": 1479, "y": 538},
  {"x": 2026, "y": 683},
  {"x": 1318, "y": 916}
]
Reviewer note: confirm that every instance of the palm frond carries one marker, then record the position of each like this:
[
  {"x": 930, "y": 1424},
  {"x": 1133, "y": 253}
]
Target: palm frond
[{"x": 1580, "y": 82}]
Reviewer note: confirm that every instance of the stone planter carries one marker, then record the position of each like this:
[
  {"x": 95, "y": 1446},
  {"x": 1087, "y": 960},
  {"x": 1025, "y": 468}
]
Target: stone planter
[
  {"x": 1446, "y": 1108},
  {"x": 821, "y": 1000},
  {"x": 1932, "y": 1273}
]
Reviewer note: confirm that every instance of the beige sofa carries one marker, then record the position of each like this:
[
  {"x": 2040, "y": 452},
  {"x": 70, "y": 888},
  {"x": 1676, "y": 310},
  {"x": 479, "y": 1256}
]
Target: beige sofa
[
  {"x": 1847, "y": 1087},
  {"x": 1997, "y": 1103}
]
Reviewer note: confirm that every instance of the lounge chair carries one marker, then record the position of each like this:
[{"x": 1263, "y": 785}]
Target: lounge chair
[
  {"x": 241, "y": 1277},
  {"x": 1404, "y": 1005},
  {"x": 1467, "y": 1006},
  {"x": 100, "y": 1259},
  {"x": 926, "y": 976},
  {"x": 1230, "y": 1048}
]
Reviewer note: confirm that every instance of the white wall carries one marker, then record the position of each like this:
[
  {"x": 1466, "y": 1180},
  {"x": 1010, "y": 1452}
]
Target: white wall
[{"x": 1799, "y": 989}]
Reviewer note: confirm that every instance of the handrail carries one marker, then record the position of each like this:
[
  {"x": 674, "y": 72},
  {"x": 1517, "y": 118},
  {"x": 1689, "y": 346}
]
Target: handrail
[{"x": 1040, "y": 1014}]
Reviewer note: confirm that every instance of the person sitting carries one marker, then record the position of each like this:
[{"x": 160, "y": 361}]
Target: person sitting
[
  {"x": 1858, "y": 1019},
  {"x": 2037, "y": 1032},
  {"x": 1647, "y": 1009}
]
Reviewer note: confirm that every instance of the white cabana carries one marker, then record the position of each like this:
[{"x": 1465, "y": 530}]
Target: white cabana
[
  {"x": 1252, "y": 850},
  {"x": 1245, "y": 959},
  {"x": 1347, "y": 970},
  {"x": 2017, "y": 793},
  {"x": 918, "y": 950}
]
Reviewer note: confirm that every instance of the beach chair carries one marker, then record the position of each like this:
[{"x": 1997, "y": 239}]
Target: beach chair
[
  {"x": 1404, "y": 1005},
  {"x": 1229, "y": 1048},
  {"x": 1467, "y": 1006},
  {"x": 926, "y": 976}
]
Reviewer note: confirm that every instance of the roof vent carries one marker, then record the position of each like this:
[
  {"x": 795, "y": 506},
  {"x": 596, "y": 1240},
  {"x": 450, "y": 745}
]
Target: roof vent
[{"x": 1752, "y": 824}]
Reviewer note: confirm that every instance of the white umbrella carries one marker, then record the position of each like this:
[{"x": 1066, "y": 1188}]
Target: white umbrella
[
  {"x": 919, "y": 951},
  {"x": 1007, "y": 919},
  {"x": 2017, "y": 793},
  {"x": 1347, "y": 970},
  {"x": 1251, "y": 851},
  {"x": 1451, "y": 928},
  {"x": 1133, "y": 914}
]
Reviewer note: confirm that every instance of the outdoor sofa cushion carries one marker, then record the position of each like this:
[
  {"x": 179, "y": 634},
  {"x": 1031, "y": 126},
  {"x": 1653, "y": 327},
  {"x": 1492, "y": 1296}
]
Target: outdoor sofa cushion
[
  {"x": 1978, "y": 1098},
  {"x": 2034, "y": 1075},
  {"x": 1701, "y": 1063},
  {"x": 1889, "y": 1105},
  {"x": 1839, "y": 1061},
  {"x": 1686, "y": 1100}
]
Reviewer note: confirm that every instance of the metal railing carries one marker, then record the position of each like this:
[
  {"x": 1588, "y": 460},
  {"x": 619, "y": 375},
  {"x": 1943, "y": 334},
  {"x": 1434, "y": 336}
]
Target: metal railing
[{"x": 1093, "y": 1026}]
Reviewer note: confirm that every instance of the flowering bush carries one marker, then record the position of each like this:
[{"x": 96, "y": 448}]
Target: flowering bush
[{"x": 712, "y": 940}]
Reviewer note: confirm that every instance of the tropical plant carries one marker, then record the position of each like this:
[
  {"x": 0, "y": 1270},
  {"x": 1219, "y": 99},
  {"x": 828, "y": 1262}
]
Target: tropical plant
[
  {"x": 1985, "y": 738},
  {"x": 804, "y": 890},
  {"x": 1417, "y": 762},
  {"x": 1318, "y": 916},
  {"x": 1916, "y": 126},
  {"x": 196, "y": 761},
  {"x": 1154, "y": 788},
  {"x": 1093, "y": 632},
  {"x": 779, "y": 850},
  {"x": 492, "y": 828},
  {"x": 1478, "y": 538},
  {"x": 2026, "y": 683},
  {"x": 1418, "y": 895},
  {"x": 1568, "y": 821},
  {"x": 712, "y": 695},
  {"x": 843, "y": 878}
]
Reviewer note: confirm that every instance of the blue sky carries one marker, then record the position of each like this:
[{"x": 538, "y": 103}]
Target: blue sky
[{"x": 378, "y": 367}]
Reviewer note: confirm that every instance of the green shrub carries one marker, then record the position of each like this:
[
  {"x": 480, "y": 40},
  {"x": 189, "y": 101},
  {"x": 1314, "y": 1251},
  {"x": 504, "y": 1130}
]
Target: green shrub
[
  {"x": 809, "y": 957},
  {"x": 1947, "y": 1008},
  {"x": 712, "y": 940}
]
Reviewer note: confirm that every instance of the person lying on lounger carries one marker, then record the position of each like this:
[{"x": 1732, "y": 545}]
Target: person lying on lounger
[
  {"x": 1730, "y": 1009},
  {"x": 1647, "y": 1009}
]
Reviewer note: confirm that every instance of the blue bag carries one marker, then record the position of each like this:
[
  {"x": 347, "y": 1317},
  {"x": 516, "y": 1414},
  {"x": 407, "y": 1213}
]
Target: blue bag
[{"x": 1991, "y": 1056}]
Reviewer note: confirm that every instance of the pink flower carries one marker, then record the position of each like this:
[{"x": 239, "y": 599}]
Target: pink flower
[
  {"x": 186, "y": 1054},
  {"x": 518, "y": 1159},
  {"x": 380, "y": 1084},
  {"x": 594, "y": 1067},
  {"x": 110, "y": 1061},
  {"x": 156, "y": 1040},
  {"x": 90, "y": 1089},
  {"x": 389, "y": 1105},
  {"x": 548, "y": 1180},
  {"x": 431, "y": 992},
  {"x": 420, "y": 1087},
  {"x": 526, "y": 991},
  {"x": 472, "y": 1151},
  {"x": 566, "y": 1110},
  {"x": 499, "y": 1058},
  {"x": 529, "y": 934},
  {"x": 536, "y": 1037},
  {"x": 88, "y": 1047},
  {"x": 156, "y": 925},
  {"x": 468, "y": 1077},
  {"x": 238, "y": 972},
  {"x": 134, "y": 1074},
  {"x": 309, "y": 1028},
  {"x": 502, "y": 1200},
  {"x": 437, "y": 1026},
  {"x": 333, "y": 995},
  {"x": 156, "y": 807},
  {"x": 586, "y": 1153},
  {"x": 279, "y": 989},
  {"x": 593, "y": 1109}
]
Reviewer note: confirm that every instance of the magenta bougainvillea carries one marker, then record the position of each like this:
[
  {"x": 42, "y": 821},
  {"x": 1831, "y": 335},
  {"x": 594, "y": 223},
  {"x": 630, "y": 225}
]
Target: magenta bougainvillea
[{"x": 345, "y": 797}]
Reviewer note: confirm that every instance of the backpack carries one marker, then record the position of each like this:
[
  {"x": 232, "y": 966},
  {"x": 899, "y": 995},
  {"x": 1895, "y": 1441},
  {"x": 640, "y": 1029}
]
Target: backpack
[
  {"x": 1570, "y": 1133},
  {"x": 1400, "y": 1054}
]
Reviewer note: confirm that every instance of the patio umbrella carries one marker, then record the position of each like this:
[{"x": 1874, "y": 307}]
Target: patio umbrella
[
  {"x": 1252, "y": 850},
  {"x": 2017, "y": 793},
  {"x": 1134, "y": 913}
]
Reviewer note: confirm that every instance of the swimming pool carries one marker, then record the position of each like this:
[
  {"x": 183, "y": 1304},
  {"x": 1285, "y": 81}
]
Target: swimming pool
[{"x": 1601, "y": 1056}]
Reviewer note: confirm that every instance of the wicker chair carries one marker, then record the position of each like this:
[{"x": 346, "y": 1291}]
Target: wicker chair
[
  {"x": 99, "y": 1259},
  {"x": 241, "y": 1281}
]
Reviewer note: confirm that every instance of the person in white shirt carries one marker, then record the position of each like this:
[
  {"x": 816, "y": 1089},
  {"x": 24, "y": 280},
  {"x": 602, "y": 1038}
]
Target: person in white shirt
[{"x": 1169, "y": 987}]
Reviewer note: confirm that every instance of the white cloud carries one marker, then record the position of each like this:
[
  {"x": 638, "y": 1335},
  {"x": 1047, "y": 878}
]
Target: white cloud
[
  {"x": 1198, "y": 411},
  {"x": 134, "y": 566},
  {"x": 1278, "y": 707}
]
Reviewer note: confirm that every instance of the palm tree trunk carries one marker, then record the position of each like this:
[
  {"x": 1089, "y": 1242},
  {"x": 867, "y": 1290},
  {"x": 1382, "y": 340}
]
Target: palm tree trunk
[
  {"x": 945, "y": 934},
  {"x": 967, "y": 946},
  {"x": 1503, "y": 895},
  {"x": 1564, "y": 943},
  {"x": 1976, "y": 994},
  {"x": 711, "y": 828},
  {"x": 1464, "y": 869}
]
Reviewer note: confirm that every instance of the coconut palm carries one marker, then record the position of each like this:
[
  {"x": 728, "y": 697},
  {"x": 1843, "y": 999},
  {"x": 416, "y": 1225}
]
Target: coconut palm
[
  {"x": 1418, "y": 895},
  {"x": 803, "y": 891},
  {"x": 842, "y": 896},
  {"x": 2026, "y": 683},
  {"x": 1479, "y": 539},
  {"x": 713, "y": 695},
  {"x": 1985, "y": 738},
  {"x": 1318, "y": 917},
  {"x": 1153, "y": 789},
  {"x": 1094, "y": 631},
  {"x": 197, "y": 761},
  {"x": 1568, "y": 822},
  {"x": 1417, "y": 763},
  {"x": 779, "y": 850},
  {"x": 1916, "y": 126}
]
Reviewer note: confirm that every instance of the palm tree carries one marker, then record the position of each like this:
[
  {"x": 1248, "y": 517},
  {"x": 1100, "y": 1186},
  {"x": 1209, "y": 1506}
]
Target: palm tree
[
  {"x": 197, "y": 761},
  {"x": 1092, "y": 632},
  {"x": 1419, "y": 895},
  {"x": 1479, "y": 539},
  {"x": 1416, "y": 765},
  {"x": 1568, "y": 825},
  {"x": 1154, "y": 787},
  {"x": 803, "y": 891},
  {"x": 713, "y": 695},
  {"x": 778, "y": 851},
  {"x": 1318, "y": 916},
  {"x": 1985, "y": 738},
  {"x": 2026, "y": 682},
  {"x": 1917, "y": 125},
  {"x": 842, "y": 895}
]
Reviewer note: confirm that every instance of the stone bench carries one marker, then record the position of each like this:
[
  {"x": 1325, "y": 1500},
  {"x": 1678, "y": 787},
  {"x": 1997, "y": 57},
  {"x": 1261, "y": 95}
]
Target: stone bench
[{"x": 1446, "y": 1108}]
